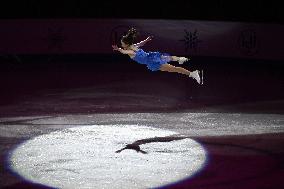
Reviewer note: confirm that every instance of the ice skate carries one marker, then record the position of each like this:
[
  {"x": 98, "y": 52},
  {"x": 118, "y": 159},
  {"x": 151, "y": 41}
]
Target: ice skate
[
  {"x": 181, "y": 60},
  {"x": 195, "y": 75}
]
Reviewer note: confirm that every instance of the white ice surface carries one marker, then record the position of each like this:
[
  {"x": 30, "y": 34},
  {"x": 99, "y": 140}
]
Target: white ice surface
[{"x": 84, "y": 157}]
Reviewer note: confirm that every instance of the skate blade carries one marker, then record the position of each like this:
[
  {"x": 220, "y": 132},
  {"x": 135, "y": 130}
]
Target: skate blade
[
  {"x": 200, "y": 73},
  {"x": 202, "y": 78}
]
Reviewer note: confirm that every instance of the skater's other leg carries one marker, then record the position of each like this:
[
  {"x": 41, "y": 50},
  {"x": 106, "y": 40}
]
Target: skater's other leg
[
  {"x": 171, "y": 68},
  {"x": 180, "y": 60},
  {"x": 175, "y": 58}
]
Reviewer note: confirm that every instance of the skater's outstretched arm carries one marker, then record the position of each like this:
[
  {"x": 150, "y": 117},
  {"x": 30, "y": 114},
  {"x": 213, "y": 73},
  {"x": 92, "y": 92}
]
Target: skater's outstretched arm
[
  {"x": 141, "y": 43},
  {"x": 123, "y": 51}
]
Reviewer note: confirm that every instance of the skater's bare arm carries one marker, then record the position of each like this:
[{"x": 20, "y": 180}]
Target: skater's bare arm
[
  {"x": 116, "y": 48},
  {"x": 141, "y": 43}
]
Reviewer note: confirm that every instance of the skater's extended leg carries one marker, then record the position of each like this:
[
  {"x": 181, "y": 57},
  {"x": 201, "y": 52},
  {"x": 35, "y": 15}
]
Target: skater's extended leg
[
  {"x": 180, "y": 60},
  {"x": 171, "y": 68}
]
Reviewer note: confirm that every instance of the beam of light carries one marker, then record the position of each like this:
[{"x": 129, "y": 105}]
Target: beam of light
[{"x": 84, "y": 157}]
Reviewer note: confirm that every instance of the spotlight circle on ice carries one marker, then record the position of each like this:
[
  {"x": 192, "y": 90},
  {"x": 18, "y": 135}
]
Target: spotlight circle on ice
[{"x": 85, "y": 157}]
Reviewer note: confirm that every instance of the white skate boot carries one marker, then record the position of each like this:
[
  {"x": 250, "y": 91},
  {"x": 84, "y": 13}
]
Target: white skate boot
[
  {"x": 181, "y": 60},
  {"x": 195, "y": 75}
]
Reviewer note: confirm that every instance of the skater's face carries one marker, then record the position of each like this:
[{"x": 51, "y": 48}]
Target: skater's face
[{"x": 124, "y": 45}]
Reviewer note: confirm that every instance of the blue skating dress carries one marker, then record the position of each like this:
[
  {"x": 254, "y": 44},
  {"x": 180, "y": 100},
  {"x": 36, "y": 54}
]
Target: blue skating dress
[{"x": 153, "y": 60}]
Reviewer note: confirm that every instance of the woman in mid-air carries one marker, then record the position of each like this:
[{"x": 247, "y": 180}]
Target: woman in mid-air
[{"x": 154, "y": 60}]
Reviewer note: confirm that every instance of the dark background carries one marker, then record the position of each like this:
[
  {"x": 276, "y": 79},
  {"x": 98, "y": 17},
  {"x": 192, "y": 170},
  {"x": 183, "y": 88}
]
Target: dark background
[
  {"x": 36, "y": 84},
  {"x": 245, "y": 11},
  {"x": 227, "y": 79}
]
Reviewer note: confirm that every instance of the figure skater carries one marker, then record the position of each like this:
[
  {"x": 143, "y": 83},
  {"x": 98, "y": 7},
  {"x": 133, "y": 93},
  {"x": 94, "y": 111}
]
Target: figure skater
[{"x": 154, "y": 60}]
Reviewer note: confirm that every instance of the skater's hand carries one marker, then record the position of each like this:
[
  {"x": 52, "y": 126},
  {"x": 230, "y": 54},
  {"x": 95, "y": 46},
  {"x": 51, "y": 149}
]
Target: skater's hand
[
  {"x": 149, "y": 38},
  {"x": 115, "y": 47}
]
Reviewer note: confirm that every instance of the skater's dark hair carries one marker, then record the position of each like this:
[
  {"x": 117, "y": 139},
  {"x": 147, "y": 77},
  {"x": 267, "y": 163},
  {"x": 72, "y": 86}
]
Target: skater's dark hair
[{"x": 130, "y": 36}]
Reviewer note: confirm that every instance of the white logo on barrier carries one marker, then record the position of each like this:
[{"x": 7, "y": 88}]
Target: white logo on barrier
[
  {"x": 191, "y": 40},
  {"x": 248, "y": 42},
  {"x": 55, "y": 38}
]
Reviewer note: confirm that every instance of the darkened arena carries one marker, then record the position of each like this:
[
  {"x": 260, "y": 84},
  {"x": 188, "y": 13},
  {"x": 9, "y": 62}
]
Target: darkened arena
[{"x": 141, "y": 94}]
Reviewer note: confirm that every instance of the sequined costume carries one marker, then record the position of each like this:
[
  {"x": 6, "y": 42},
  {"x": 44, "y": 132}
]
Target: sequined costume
[{"x": 153, "y": 60}]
